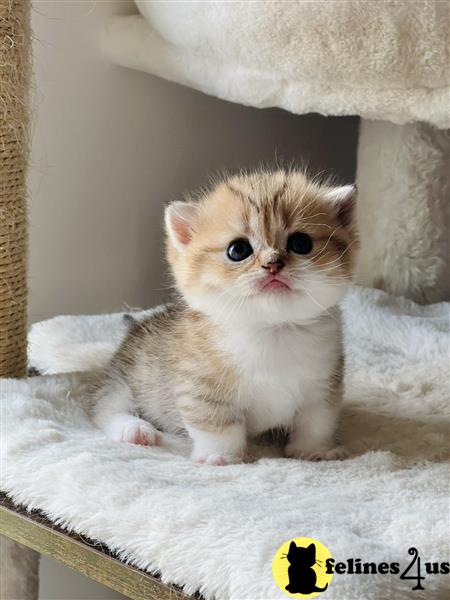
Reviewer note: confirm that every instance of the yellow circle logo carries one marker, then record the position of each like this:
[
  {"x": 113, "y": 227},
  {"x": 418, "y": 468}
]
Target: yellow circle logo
[{"x": 299, "y": 568}]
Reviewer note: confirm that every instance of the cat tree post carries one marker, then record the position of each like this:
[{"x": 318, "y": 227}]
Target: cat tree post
[
  {"x": 18, "y": 565},
  {"x": 403, "y": 209}
]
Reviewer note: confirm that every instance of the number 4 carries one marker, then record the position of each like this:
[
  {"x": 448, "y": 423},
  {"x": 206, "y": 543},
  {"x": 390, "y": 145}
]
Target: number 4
[{"x": 416, "y": 558}]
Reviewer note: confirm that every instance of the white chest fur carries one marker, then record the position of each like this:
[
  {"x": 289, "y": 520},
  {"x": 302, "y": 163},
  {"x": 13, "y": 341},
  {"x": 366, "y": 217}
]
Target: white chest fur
[{"x": 281, "y": 369}]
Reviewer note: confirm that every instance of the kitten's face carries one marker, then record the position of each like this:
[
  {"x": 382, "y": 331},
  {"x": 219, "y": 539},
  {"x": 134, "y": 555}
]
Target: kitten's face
[{"x": 269, "y": 247}]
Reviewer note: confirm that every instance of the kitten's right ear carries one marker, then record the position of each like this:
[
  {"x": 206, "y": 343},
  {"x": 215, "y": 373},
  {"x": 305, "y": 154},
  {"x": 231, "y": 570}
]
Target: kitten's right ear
[
  {"x": 343, "y": 199},
  {"x": 179, "y": 218}
]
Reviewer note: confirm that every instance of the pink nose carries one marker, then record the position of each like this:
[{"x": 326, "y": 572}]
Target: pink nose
[{"x": 274, "y": 267}]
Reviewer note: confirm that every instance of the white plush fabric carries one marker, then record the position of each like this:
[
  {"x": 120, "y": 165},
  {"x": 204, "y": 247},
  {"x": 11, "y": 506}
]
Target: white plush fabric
[
  {"x": 403, "y": 209},
  {"x": 380, "y": 60},
  {"x": 216, "y": 529}
]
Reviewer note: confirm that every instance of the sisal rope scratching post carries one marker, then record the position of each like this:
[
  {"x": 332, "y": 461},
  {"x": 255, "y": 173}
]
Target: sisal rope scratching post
[
  {"x": 18, "y": 565},
  {"x": 14, "y": 77}
]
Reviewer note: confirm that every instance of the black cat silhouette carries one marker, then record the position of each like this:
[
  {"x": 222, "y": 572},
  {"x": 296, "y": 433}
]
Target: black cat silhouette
[{"x": 302, "y": 577}]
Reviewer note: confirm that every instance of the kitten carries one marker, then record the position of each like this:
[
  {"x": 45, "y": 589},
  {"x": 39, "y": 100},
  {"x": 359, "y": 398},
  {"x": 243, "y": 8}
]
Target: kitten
[{"x": 254, "y": 343}]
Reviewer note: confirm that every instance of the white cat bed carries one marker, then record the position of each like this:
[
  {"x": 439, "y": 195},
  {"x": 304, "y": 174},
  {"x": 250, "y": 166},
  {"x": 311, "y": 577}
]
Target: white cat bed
[{"x": 216, "y": 529}]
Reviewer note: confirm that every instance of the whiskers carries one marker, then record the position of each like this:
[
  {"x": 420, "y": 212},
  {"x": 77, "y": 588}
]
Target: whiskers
[
  {"x": 336, "y": 260},
  {"x": 317, "y": 303},
  {"x": 226, "y": 306}
]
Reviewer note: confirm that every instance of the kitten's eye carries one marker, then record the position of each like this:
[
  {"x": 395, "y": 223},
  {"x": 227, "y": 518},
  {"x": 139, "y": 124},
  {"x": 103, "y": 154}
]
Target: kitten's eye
[
  {"x": 239, "y": 250},
  {"x": 300, "y": 243}
]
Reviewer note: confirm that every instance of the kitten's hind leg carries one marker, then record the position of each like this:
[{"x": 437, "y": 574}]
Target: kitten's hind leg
[{"x": 113, "y": 413}]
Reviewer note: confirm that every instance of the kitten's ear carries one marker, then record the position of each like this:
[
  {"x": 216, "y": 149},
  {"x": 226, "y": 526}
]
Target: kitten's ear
[
  {"x": 179, "y": 218},
  {"x": 343, "y": 199},
  {"x": 293, "y": 546}
]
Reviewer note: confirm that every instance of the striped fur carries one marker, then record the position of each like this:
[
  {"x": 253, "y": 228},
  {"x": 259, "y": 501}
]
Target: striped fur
[{"x": 233, "y": 358}]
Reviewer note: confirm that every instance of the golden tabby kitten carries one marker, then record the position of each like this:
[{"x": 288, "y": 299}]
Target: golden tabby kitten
[{"x": 254, "y": 343}]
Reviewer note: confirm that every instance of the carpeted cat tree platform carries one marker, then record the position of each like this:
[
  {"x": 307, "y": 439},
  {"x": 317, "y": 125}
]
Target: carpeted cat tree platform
[
  {"x": 215, "y": 530},
  {"x": 385, "y": 61}
]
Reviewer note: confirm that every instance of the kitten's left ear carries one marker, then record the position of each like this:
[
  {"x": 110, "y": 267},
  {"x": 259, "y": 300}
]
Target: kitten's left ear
[
  {"x": 179, "y": 218},
  {"x": 343, "y": 198}
]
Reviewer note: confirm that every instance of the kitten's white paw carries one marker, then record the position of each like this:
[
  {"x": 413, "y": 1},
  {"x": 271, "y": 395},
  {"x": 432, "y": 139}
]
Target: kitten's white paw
[
  {"x": 219, "y": 460},
  {"x": 337, "y": 453},
  {"x": 222, "y": 447},
  {"x": 132, "y": 430}
]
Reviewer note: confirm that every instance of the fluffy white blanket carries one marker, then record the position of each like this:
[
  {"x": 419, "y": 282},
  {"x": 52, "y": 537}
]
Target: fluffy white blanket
[
  {"x": 216, "y": 529},
  {"x": 380, "y": 60}
]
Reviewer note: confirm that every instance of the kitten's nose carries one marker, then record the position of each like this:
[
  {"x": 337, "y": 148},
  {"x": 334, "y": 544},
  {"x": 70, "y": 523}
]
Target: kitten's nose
[{"x": 274, "y": 267}]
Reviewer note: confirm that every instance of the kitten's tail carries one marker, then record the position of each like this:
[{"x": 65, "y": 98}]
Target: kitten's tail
[{"x": 317, "y": 589}]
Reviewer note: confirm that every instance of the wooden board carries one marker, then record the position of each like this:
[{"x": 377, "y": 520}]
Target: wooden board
[{"x": 90, "y": 558}]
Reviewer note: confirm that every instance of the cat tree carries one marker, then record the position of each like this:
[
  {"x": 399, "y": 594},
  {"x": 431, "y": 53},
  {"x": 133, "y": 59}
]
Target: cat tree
[{"x": 18, "y": 565}]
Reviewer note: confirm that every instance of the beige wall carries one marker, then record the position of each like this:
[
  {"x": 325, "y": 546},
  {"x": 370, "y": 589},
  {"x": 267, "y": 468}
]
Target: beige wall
[{"x": 110, "y": 147}]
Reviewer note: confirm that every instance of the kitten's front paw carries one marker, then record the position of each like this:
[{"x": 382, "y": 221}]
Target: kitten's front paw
[
  {"x": 219, "y": 460},
  {"x": 132, "y": 430},
  {"x": 337, "y": 453}
]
